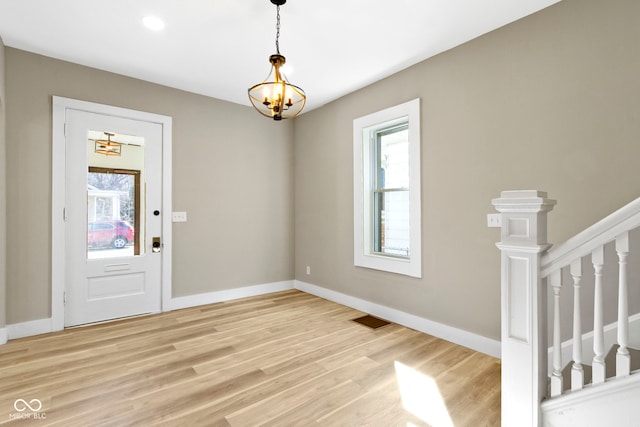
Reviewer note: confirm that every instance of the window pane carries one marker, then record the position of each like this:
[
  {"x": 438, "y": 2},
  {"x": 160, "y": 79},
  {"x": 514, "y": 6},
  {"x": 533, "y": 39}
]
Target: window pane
[
  {"x": 391, "y": 195},
  {"x": 392, "y": 223},
  {"x": 394, "y": 159},
  {"x": 111, "y": 214}
]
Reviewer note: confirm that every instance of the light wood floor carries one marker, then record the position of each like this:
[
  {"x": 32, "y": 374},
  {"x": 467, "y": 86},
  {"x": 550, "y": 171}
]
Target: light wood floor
[{"x": 284, "y": 359}]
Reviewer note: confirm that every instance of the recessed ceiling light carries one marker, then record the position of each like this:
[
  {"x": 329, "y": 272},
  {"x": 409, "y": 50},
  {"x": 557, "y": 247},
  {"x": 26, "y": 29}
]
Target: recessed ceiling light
[{"x": 153, "y": 23}]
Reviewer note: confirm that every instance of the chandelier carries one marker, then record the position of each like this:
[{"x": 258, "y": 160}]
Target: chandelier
[
  {"x": 276, "y": 97},
  {"x": 108, "y": 147}
]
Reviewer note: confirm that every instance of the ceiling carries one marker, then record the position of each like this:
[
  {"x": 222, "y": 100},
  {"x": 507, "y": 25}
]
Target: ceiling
[{"x": 220, "y": 48}]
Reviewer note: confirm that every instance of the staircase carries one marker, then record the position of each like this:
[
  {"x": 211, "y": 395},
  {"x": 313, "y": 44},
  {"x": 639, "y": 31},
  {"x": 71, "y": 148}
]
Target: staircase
[
  {"x": 610, "y": 371},
  {"x": 612, "y": 403},
  {"x": 544, "y": 291}
]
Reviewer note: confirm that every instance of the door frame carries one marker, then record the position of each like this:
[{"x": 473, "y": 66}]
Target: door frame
[{"x": 58, "y": 197}]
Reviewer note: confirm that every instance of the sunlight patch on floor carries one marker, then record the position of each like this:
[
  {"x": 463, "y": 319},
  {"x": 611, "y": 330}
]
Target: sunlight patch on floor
[{"x": 421, "y": 396}]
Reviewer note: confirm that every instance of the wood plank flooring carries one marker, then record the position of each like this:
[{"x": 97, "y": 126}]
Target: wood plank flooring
[{"x": 284, "y": 359}]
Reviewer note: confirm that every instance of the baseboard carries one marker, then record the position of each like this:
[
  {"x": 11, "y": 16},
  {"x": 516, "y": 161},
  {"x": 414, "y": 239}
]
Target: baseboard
[
  {"x": 43, "y": 326},
  {"x": 457, "y": 336},
  {"x": 30, "y": 328},
  {"x": 230, "y": 294},
  {"x": 610, "y": 338},
  {"x": 449, "y": 333}
]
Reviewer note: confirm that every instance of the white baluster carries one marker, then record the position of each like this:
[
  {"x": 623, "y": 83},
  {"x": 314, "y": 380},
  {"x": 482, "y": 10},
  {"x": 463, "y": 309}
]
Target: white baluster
[
  {"x": 597, "y": 258},
  {"x": 577, "y": 373},
  {"x": 556, "y": 376},
  {"x": 623, "y": 360}
]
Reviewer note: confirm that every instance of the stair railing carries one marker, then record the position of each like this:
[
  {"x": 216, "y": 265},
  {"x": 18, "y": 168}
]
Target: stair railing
[{"x": 528, "y": 269}]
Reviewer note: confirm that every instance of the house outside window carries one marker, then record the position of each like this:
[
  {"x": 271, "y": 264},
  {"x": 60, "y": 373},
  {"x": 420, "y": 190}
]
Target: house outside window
[{"x": 387, "y": 230}]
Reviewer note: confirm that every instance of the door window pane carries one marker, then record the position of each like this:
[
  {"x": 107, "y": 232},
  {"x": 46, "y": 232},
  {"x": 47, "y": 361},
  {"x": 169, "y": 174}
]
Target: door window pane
[{"x": 115, "y": 202}]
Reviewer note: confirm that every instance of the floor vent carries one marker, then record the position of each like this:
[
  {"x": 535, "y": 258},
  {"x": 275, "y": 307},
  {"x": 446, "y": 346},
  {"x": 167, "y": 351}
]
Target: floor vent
[{"x": 371, "y": 322}]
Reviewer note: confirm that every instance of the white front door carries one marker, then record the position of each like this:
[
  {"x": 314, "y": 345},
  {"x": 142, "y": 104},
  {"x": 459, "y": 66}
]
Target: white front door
[{"x": 113, "y": 217}]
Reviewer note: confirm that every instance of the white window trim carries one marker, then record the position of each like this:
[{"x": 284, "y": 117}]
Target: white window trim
[{"x": 362, "y": 252}]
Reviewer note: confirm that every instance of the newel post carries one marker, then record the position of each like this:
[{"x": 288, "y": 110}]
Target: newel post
[{"x": 524, "y": 321}]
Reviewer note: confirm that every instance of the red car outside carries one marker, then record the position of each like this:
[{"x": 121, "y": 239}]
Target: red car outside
[{"x": 117, "y": 234}]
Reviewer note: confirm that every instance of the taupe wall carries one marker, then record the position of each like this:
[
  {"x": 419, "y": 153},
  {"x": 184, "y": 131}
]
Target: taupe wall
[
  {"x": 551, "y": 102},
  {"x": 232, "y": 173},
  {"x": 3, "y": 175}
]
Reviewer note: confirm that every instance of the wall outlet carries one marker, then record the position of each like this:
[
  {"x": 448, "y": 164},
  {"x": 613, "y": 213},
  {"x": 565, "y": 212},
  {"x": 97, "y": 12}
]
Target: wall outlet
[
  {"x": 179, "y": 217},
  {"x": 308, "y": 270},
  {"x": 494, "y": 220}
]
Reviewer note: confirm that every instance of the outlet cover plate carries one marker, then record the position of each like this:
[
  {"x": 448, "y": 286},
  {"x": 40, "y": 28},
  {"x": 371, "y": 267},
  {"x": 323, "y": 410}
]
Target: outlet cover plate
[{"x": 494, "y": 220}]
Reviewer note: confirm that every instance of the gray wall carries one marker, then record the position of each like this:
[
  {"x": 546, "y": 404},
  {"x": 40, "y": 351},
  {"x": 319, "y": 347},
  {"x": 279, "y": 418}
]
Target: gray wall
[
  {"x": 3, "y": 204},
  {"x": 551, "y": 102},
  {"x": 232, "y": 173}
]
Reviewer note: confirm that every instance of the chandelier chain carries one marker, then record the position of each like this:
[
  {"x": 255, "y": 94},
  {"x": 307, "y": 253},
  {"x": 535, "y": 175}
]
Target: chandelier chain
[
  {"x": 278, "y": 29},
  {"x": 275, "y": 97}
]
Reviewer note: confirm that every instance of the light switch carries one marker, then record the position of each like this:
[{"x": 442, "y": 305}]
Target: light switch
[{"x": 179, "y": 217}]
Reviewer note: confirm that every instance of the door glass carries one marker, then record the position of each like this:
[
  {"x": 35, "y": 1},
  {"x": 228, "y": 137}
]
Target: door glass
[{"x": 115, "y": 195}]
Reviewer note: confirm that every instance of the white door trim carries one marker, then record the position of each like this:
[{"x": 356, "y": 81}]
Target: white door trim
[{"x": 58, "y": 197}]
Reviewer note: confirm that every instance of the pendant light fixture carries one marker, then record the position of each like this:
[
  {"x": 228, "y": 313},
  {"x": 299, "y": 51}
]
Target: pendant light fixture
[
  {"x": 108, "y": 147},
  {"x": 276, "y": 97}
]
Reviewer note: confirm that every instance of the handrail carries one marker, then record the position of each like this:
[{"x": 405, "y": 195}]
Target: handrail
[
  {"x": 530, "y": 271},
  {"x": 582, "y": 244}
]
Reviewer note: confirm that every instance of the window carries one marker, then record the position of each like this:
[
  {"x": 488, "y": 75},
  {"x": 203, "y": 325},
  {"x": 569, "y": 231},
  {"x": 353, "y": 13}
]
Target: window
[{"x": 386, "y": 147}]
